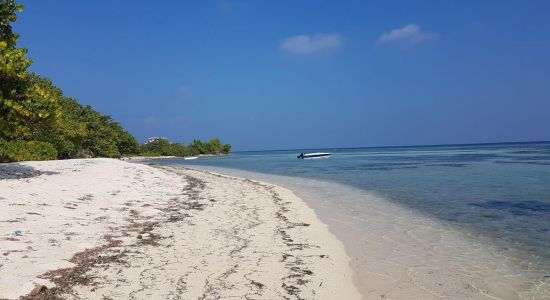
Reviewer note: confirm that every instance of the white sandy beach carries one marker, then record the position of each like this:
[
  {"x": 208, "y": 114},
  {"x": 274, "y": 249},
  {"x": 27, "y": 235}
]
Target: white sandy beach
[
  {"x": 108, "y": 229},
  {"x": 398, "y": 253}
]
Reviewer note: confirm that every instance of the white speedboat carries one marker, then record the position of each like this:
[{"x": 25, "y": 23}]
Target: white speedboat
[
  {"x": 314, "y": 155},
  {"x": 190, "y": 157}
]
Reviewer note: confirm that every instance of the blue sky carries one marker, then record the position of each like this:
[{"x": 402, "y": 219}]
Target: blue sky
[{"x": 302, "y": 74}]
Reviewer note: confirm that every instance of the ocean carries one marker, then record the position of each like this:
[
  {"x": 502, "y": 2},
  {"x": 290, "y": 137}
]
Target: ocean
[{"x": 442, "y": 218}]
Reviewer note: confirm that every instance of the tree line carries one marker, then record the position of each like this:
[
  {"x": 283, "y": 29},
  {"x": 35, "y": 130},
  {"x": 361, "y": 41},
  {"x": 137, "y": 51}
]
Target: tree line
[
  {"x": 161, "y": 146},
  {"x": 38, "y": 122}
]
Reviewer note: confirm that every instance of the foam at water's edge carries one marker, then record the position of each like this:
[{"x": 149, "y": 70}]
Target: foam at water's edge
[{"x": 398, "y": 253}]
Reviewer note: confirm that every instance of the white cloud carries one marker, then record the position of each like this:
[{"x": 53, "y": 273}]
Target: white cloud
[
  {"x": 411, "y": 34},
  {"x": 304, "y": 44}
]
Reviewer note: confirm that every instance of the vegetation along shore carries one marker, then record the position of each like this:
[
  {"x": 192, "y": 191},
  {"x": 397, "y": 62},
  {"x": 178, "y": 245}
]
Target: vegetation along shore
[{"x": 39, "y": 122}]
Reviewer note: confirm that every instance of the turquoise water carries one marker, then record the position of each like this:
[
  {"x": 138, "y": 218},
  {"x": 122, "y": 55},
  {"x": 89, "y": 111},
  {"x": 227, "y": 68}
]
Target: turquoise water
[{"x": 500, "y": 192}]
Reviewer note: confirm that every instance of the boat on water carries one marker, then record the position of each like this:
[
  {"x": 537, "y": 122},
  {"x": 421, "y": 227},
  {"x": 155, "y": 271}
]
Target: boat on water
[
  {"x": 314, "y": 155},
  {"x": 190, "y": 157}
]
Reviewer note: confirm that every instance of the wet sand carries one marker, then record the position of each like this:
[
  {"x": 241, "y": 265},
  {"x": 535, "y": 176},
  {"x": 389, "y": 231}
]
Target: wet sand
[{"x": 398, "y": 253}]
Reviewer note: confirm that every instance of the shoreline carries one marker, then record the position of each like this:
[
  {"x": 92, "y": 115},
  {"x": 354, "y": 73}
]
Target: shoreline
[
  {"x": 88, "y": 226},
  {"x": 163, "y": 157},
  {"x": 399, "y": 254},
  {"x": 141, "y": 158}
]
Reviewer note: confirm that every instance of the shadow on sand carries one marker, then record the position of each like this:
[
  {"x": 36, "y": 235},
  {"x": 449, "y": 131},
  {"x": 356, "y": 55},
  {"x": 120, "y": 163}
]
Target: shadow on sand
[{"x": 18, "y": 171}]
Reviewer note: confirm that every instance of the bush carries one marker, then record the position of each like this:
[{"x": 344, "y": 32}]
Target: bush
[
  {"x": 163, "y": 147},
  {"x": 176, "y": 149},
  {"x": 226, "y": 148},
  {"x": 149, "y": 154},
  {"x": 156, "y": 147},
  {"x": 105, "y": 148},
  {"x": 20, "y": 150}
]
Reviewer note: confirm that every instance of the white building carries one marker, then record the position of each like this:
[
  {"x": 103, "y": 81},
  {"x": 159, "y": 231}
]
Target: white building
[{"x": 154, "y": 138}]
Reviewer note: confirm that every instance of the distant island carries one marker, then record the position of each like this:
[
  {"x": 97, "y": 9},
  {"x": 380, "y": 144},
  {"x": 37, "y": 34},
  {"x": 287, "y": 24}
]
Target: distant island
[{"x": 38, "y": 122}]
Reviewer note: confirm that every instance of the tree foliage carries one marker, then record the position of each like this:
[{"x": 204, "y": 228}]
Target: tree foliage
[
  {"x": 36, "y": 115},
  {"x": 8, "y": 10},
  {"x": 21, "y": 150},
  {"x": 25, "y": 103},
  {"x": 38, "y": 122},
  {"x": 161, "y": 146}
]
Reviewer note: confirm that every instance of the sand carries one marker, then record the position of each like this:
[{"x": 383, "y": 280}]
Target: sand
[
  {"x": 398, "y": 253},
  {"x": 108, "y": 229}
]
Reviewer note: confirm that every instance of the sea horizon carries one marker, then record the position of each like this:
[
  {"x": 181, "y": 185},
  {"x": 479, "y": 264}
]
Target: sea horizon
[{"x": 398, "y": 146}]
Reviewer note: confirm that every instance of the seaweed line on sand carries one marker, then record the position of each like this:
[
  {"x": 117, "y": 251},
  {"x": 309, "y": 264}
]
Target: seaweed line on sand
[{"x": 113, "y": 251}]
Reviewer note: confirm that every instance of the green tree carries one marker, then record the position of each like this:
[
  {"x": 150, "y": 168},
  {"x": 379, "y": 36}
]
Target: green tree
[
  {"x": 38, "y": 122},
  {"x": 104, "y": 136},
  {"x": 70, "y": 132},
  {"x": 197, "y": 147},
  {"x": 8, "y": 10},
  {"x": 214, "y": 146},
  {"x": 155, "y": 147},
  {"x": 26, "y": 103},
  {"x": 125, "y": 142},
  {"x": 226, "y": 148},
  {"x": 20, "y": 150},
  {"x": 177, "y": 149}
]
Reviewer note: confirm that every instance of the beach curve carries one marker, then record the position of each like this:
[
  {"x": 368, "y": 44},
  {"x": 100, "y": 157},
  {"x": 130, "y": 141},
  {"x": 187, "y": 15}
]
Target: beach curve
[{"x": 98, "y": 228}]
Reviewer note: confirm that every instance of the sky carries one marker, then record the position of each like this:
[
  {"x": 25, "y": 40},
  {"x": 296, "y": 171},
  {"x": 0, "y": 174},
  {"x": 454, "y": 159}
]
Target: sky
[{"x": 302, "y": 74}]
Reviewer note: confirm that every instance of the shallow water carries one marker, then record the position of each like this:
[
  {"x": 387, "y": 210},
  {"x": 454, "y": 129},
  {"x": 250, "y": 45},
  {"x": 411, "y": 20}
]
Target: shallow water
[{"x": 476, "y": 217}]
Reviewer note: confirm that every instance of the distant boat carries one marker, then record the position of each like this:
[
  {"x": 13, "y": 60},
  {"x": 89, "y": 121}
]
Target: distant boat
[
  {"x": 190, "y": 157},
  {"x": 314, "y": 155}
]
